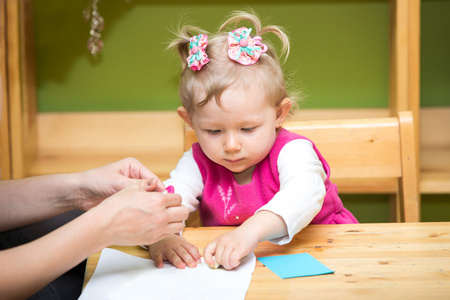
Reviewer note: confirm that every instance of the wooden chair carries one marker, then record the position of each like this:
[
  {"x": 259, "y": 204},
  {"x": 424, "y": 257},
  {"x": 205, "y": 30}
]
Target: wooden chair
[{"x": 365, "y": 156}]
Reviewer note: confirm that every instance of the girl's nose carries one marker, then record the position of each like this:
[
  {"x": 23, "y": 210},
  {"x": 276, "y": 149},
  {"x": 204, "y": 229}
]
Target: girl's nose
[{"x": 231, "y": 143}]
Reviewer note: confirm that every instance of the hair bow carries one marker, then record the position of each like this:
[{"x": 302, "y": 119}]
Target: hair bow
[
  {"x": 243, "y": 48},
  {"x": 197, "y": 55}
]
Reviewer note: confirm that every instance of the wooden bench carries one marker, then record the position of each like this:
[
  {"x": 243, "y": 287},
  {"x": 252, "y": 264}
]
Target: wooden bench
[{"x": 70, "y": 142}]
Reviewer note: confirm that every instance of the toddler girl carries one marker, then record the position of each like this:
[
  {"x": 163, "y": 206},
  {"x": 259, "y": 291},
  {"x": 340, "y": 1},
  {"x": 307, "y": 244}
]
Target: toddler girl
[{"x": 245, "y": 170}]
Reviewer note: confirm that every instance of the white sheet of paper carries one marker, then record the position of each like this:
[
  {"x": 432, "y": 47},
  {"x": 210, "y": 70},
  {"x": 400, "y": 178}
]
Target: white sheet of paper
[{"x": 122, "y": 276}]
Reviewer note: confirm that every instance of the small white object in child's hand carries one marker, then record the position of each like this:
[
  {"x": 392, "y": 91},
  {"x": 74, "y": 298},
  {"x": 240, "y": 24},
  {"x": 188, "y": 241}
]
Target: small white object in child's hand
[{"x": 216, "y": 264}]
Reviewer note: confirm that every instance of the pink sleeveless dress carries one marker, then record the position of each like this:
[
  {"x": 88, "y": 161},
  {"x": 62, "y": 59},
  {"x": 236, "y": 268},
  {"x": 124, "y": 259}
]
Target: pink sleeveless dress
[{"x": 225, "y": 202}]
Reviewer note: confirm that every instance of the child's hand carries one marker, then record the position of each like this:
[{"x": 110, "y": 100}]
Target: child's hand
[
  {"x": 175, "y": 249},
  {"x": 230, "y": 248}
]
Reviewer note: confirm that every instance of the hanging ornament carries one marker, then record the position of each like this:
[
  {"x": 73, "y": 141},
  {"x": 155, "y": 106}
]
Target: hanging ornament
[{"x": 95, "y": 43}]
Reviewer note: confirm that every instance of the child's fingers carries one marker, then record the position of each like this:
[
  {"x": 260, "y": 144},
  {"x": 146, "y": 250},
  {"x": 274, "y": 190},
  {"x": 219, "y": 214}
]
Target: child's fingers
[
  {"x": 235, "y": 259},
  {"x": 193, "y": 251},
  {"x": 176, "y": 260},
  {"x": 218, "y": 255},
  {"x": 159, "y": 260},
  {"x": 186, "y": 257},
  {"x": 208, "y": 253},
  {"x": 225, "y": 257}
]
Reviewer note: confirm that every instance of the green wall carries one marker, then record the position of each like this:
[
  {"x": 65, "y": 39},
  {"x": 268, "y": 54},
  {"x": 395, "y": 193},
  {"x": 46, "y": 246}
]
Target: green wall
[
  {"x": 435, "y": 53},
  {"x": 339, "y": 54},
  {"x": 339, "y": 58},
  {"x": 339, "y": 51}
]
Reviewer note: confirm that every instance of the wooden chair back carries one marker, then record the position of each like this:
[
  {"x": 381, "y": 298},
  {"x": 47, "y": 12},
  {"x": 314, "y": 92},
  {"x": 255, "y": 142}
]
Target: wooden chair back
[{"x": 365, "y": 156}]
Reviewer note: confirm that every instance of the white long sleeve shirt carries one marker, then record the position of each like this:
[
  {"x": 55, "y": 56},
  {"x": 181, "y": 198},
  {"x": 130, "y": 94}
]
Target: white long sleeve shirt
[{"x": 301, "y": 193}]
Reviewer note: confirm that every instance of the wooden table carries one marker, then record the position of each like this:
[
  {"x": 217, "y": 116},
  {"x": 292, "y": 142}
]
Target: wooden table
[{"x": 371, "y": 261}]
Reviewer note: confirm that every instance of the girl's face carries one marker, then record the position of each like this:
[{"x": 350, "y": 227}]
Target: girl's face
[{"x": 241, "y": 133}]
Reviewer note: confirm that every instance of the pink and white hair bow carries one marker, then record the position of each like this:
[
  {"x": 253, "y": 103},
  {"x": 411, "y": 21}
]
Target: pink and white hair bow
[
  {"x": 243, "y": 48},
  {"x": 197, "y": 55}
]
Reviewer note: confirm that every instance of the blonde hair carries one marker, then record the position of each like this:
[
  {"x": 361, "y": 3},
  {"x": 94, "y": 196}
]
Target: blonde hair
[{"x": 221, "y": 72}]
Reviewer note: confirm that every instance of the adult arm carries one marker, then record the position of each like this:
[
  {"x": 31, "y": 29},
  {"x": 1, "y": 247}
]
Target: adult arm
[
  {"x": 24, "y": 201},
  {"x": 130, "y": 217},
  {"x": 133, "y": 215}
]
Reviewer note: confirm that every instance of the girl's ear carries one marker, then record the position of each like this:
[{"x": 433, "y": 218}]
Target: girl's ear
[
  {"x": 283, "y": 111},
  {"x": 182, "y": 113}
]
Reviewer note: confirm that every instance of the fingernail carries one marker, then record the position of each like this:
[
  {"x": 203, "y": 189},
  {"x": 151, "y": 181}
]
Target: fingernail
[{"x": 151, "y": 182}]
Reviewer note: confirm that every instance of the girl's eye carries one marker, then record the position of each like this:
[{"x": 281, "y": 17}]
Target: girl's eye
[
  {"x": 248, "y": 129},
  {"x": 213, "y": 131}
]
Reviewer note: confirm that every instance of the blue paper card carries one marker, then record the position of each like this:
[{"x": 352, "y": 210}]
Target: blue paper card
[{"x": 295, "y": 265}]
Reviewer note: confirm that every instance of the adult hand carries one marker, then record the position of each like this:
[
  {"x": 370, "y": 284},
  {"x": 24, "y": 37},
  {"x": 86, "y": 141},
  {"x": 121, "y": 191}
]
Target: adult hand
[
  {"x": 175, "y": 249},
  {"x": 230, "y": 248},
  {"x": 131, "y": 216},
  {"x": 134, "y": 216},
  {"x": 100, "y": 183}
]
